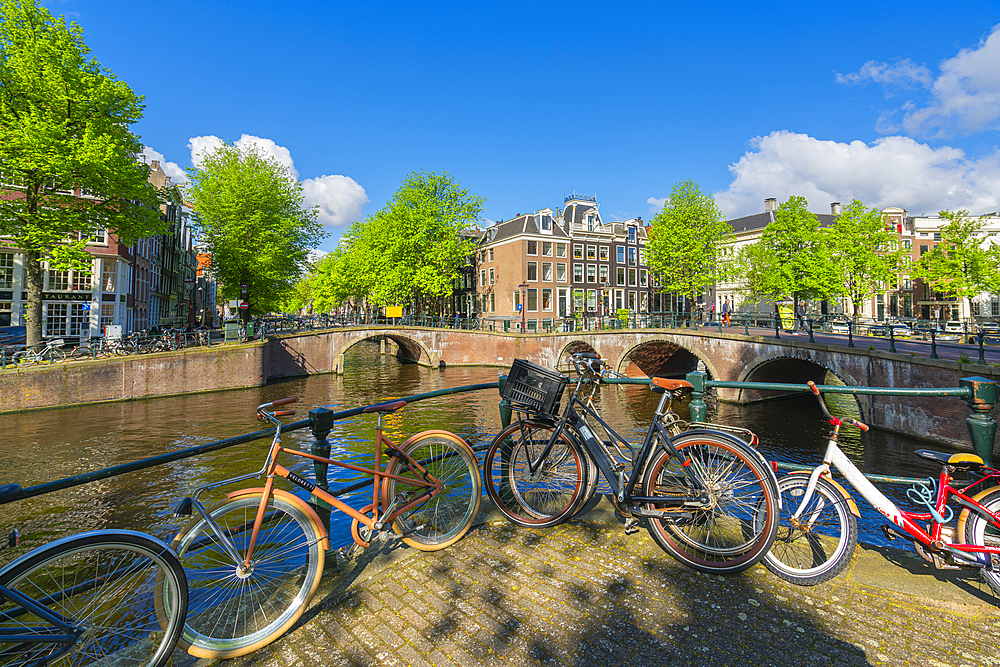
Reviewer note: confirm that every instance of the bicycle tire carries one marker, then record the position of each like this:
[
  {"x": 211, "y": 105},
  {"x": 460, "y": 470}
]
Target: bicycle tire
[
  {"x": 82, "y": 352},
  {"x": 23, "y": 358},
  {"x": 128, "y": 588},
  {"x": 819, "y": 545},
  {"x": 736, "y": 530},
  {"x": 979, "y": 531},
  {"x": 225, "y": 619},
  {"x": 555, "y": 492},
  {"x": 443, "y": 519},
  {"x": 55, "y": 354}
]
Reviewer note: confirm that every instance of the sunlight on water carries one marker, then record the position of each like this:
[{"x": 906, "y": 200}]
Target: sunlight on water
[{"x": 47, "y": 445}]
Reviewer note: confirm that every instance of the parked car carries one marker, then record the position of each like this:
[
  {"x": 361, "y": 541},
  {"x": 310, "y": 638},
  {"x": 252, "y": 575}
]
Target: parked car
[
  {"x": 13, "y": 335},
  {"x": 839, "y": 327},
  {"x": 953, "y": 327}
]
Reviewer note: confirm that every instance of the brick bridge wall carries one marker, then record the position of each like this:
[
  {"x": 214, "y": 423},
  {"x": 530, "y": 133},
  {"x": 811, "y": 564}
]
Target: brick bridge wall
[{"x": 724, "y": 356}]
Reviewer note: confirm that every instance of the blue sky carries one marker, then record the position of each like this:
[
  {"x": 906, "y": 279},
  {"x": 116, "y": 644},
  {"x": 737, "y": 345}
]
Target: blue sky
[{"x": 893, "y": 103}]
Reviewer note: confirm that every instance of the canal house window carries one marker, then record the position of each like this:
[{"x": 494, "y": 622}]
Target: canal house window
[
  {"x": 107, "y": 315},
  {"x": 631, "y": 277},
  {"x": 560, "y": 250},
  {"x": 591, "y": 273},
  {"x": 482, "y": 280},
  {"x": 532, "y": 300},
  {"x": 642, "y": 277},
  {"x": 82, "y": 280},
  {"x": 491, "y": 254},
  {"x": 533, "y": 271},
  {"x": 592, "y": 252},
  {"x": 620, "y": 253},
  {"x": 560, "y": 272},
  {"x": 6, "y": 270},
  {"x": 631, "y": 256},
  {"x": 532, "y": 247},
  {"x": 604, "y": 253},
  {"x": 603, "y": 272},
  {"x": 621, "y": 276},
  {"x": 547, "y": 248},
  {"x": 592, "y": 299},
  {"x": 631, "y": 234},
  {"x": 577, "y": 251},
  {"x": 492, "y": 277},
  {"x": 517, "y": 299},
  {"x": 108, "y": 276},
  {"x": 546, "y": 299},
  {"x": 578, "y": 273},
  {"x": 58, "y": 280},
  {"x": 547, "y": 271},
  {"x": 493, "y": 303}
]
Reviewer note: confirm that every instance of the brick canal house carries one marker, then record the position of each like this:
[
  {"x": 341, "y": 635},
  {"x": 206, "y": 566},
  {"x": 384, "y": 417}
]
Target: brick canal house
[
  {"x": 134, "y": 287},
  {"x": 549, "y": 267}
]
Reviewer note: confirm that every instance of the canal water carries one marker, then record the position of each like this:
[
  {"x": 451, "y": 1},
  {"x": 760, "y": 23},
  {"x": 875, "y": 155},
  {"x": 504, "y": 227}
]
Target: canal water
[{"x": 47, "y": 445}]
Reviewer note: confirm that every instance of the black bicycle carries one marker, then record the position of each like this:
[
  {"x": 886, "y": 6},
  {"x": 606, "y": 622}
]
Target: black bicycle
[
  {"x": 104, "y": 597},
  {"x": 698, "y": 487}
]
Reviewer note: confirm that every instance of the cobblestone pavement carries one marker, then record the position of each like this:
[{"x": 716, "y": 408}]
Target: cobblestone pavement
[{"x": 588, "y": 594}]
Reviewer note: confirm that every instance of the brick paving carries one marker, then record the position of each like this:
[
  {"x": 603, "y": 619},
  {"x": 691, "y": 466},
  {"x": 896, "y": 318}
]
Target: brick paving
[{"x": 586, "y": 593}]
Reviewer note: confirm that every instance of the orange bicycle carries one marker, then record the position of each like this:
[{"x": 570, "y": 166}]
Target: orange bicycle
[{"x": 255, "y": 559}]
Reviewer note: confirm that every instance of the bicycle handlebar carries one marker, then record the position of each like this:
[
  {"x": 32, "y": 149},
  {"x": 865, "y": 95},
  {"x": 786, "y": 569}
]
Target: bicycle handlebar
[
  {"x": 836, "y": 421},
  {"x": 262, "y": 410},
  {"x": 283, "y": 401}
]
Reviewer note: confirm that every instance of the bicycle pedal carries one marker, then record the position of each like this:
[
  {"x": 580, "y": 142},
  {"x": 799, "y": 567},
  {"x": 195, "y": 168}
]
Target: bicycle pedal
[{"x": 631, "y": 525}]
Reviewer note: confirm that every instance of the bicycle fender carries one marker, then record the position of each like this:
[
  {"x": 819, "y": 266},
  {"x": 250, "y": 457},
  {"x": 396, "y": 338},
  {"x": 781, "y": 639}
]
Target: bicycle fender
[
  {"x": 840, "y": 489},
  {"x": 292, "y": 499},
  {"x": 743, "y": 444}
]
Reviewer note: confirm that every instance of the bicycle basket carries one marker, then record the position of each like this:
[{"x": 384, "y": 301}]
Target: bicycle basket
[{"x": 535, "y": 387}]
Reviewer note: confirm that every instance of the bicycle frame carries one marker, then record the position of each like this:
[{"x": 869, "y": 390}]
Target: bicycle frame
[
  {"x": 377, "y": 521},
  {"x": 903, "y": 519},
  {"x": 69, "y": 633}
]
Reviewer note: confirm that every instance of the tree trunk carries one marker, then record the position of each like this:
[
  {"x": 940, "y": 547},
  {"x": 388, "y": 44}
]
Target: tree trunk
[{"x": 35, "y": 282}]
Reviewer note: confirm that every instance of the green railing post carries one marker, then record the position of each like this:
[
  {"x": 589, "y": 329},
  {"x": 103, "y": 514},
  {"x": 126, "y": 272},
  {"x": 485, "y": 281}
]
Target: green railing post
[
  {"x": 321, "y": 423},
  {"x": 982, "y": 428},
  {"x": 892, "y": 339},
  {"x": 809, "y": 322},
  {"x": 850, "y": 334},
  {"x": 982, "y": 357},
  {"x": 746, "y": 327},
  {"x": 934, "y": 354},
  {"x": 699, "y": 411}
]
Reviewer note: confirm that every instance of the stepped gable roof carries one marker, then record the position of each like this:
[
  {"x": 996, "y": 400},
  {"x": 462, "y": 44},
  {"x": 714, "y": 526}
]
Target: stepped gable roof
[{"x": 522, "y": 224}]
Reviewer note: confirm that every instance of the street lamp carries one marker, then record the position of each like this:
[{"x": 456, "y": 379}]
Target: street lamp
[{"x": 523, "y": 287}]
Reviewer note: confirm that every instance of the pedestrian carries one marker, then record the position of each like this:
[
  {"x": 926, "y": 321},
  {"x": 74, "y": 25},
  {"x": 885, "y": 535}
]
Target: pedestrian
[
  {"x": 777, "y": 317},
  {"x": 727, "y": 312},
  {"x": 801, "y": 311},
  {"x": 711, "y": 312}
]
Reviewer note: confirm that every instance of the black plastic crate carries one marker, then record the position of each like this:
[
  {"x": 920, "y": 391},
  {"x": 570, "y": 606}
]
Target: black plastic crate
[{"x": 535, "y": 387}]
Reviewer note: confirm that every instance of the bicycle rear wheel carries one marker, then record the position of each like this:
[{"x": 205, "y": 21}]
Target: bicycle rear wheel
[
  {"x": 818, "y": 545},
  {"x": 443, "y": 519},
  {"x": 981, "y": 532},
  {"x": 546, "y": 497},
  {"x": 736, "y": 528},
  {"x": 232, "y": 612},
  {"x": 105, "y": 581},
  {"x": 24, "y": 358}
]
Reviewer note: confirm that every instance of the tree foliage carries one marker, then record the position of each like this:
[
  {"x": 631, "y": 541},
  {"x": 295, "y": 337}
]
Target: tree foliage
[
  {"x": 685, "y": 241},
  {"x": 408, "y": 253},
  {"x": 248, "y": 211},
  {"x": 865, "y": 252},
  {"x": 64, "y": 126},
  {"x": 959, "y": 265},
  {"x": 792, "y": 258}
]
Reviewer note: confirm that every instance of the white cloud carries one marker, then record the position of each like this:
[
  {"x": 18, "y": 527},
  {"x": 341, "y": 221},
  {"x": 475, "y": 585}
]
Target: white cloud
[
  {"x": 893, "y": 171},
  {"x": 902, "y": 73},
  {"x": 339, "y": 198},
  {"x": 171, "y": 169},
  {"x": 656, "y": 204},
  {"x": 965, "y": 97},
  {"x": 202, "y": 146}
]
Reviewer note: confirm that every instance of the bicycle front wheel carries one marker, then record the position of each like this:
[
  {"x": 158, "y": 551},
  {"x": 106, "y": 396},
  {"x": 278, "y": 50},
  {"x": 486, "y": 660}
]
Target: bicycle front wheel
[
  {"x": 232, "y": 612},
  {"x": 734, "y": 530},
  {"x": 444, "y": 518},
  {"x": 547, "y": 496},
  {"x": 105, "y": 583},
  {"x": 24, "y": 358},
  {"x": 818, "y": 545},
  {"x": 980, "y": 531}
]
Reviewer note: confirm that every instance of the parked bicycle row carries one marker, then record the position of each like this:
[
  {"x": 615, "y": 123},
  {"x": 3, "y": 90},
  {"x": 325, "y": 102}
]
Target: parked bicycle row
[{"x": 242, "y": 570}]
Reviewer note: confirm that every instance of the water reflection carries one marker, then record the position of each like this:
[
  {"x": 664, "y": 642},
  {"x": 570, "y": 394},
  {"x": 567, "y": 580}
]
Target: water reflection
[{"x": 47, "y": 445}]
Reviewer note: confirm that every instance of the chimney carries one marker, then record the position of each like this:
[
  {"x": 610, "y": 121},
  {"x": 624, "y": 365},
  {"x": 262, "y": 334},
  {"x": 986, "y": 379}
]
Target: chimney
[
  {"x": 835, "y": 208},
  {"x": 770, "y": 204}
]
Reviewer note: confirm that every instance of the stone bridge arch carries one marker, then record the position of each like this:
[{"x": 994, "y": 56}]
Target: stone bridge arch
[
  {"x": 792, "y": 367},
  {"x": 408, "y": 348},
  {"x": 663, "y": 357}
]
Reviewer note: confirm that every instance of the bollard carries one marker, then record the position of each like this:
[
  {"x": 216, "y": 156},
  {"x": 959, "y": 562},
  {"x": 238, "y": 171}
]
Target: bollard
[
  {"x": 777, "y": 327},
  {"x": 982, "y": 428},
  {"x": 321, "y": 423},
  {"x": 934, "y": 354},
  {"x": 982, "y": 355},
  {"x": 698, "y": 409},
  {"x": 892, "y": 339},
  {"x": 746, "y": 327},
  {"x": 850, "y": 334},
  {"x": 809, "y": 322}
]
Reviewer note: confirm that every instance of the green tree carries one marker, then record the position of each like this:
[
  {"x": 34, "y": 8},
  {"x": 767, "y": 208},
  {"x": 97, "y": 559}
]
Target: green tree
[
  {"x": 685, "y": 242},
  {"x": 249, "y": 215},
  {"x": 959, "y": 265},
  {"x": 412, "y": 250},
  {"x": 64, "y": 127},
  {"x": 792, "y": 258},
  {"x": 866, "y": 253}
]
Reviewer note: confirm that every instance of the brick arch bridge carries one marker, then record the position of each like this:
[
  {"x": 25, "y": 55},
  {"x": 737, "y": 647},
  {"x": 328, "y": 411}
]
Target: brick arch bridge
[{"x": 723, "y": 356}]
